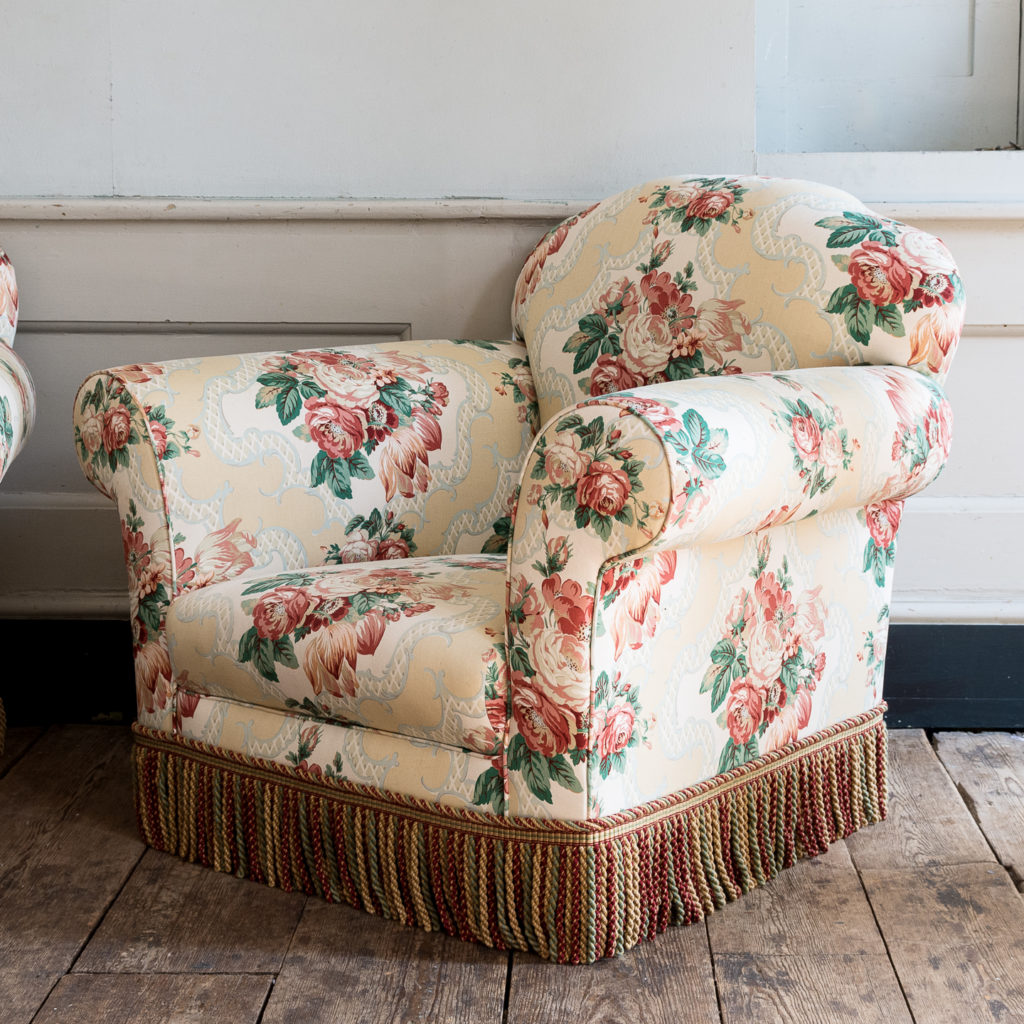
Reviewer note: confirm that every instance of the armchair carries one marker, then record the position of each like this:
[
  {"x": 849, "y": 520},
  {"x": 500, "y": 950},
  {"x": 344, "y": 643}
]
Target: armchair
[
  {"x": 549, "y": 643},
  {"x": 17, "y": 394}
]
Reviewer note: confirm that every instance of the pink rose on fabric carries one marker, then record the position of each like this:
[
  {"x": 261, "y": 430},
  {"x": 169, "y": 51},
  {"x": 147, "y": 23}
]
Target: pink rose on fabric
[
  {"x": 743, "y": 710},
  {"x": 677, "y": 198},
  {"x": 605, "y": 489},
  {"x": 346, "y": 382},
  {"x": 806, "y": 437},
  {"x": 742, "y": 609},
  {"x": 883, "y": 519},
  {"x": 647, "y": 345},
  {"x": 559, "y": 655},
  {"x": 879, "y": 275},
  {"x": 337, "y": 430},
  {"x": 621, "y": 293},
  {"x": 545, "y": 726},
  {"x": 611, "y": 374},
  {"x": 92, "y": 431},
  {"x": 360, "y": 547},
  {"x": 765, "y": 650},
  {"x": 564, "y": 461},
  {"x": 279, "y": 612},
  {"x": 158, "y": 432},
  {"x": 616, "y": 729},
  {"x": 830, "y": 452},
  {"x": 393, "y": 547},
  {"x": 709, "y": 205},
  {"x": 925, "y": 253},
  {"x": 117, "y": 428}
]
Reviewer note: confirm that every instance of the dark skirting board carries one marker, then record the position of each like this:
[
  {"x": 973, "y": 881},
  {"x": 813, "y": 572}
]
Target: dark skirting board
[{"x": 936, "y": 676}]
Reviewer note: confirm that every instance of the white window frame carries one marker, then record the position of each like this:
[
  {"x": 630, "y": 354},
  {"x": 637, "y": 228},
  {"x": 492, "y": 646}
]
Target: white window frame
[{"x": 916, "y": 176}]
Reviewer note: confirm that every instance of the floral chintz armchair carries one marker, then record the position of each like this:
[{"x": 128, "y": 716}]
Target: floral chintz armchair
[
  {"x": 549, "y": 643},
  {"x": 17, "y": 393}
]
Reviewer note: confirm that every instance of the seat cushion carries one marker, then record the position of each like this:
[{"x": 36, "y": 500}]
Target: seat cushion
[{"x": 412, "y": 646}]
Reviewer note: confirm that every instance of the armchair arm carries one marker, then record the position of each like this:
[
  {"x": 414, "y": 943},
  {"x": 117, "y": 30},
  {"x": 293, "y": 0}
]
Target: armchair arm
[
  {"x": 275, "y": 461},
  {"x": 17, "y": 405},
  {"x": 17, "y": 395},
  {"x": 678, "y": 465}
]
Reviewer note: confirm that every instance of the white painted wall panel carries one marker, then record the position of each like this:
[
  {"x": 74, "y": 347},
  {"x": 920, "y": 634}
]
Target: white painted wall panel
[
  {"x": 56, "y": 112},
  {"x": 348, "y": 98}
]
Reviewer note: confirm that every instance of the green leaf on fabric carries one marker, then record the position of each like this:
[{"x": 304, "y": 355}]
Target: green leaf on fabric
[
  {"x": 860, "y": 318},
  {"x": 561, "y": 772},
  {"x": 535, "y": 774},
  {"x": 733, "y": 754},
  {"x": 332, "y": 471},
  {"x": 284, "y": 652},
  {"x": 359, "y": 466},
  {"x": 489, "y": 791},
  {"x": 517, "y": 751},
  {"x": 289, "y": 403},
  {"x": 889, "y": 319},
  {"x": 594, "y": 326},
  {"x": 841, "y": 299}
]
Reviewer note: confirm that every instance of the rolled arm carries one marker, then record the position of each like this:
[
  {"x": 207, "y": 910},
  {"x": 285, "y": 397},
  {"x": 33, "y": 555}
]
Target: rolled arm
[
  {"x": 275, "y": 461},
  {"x": 678, "y": 465}
]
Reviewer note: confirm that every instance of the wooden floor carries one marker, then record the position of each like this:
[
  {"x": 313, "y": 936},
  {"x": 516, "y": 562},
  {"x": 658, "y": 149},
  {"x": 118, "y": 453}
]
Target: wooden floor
[{"x": 919, "y": 919}]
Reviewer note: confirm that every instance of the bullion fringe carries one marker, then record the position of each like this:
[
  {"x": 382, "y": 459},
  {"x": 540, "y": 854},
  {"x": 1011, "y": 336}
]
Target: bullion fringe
[{"x": 573, "y": 892}]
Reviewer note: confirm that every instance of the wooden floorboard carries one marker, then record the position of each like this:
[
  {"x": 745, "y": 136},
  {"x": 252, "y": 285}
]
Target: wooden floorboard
[
  {"x": 670, "y": 980},
  {"x": 348, "y": 967},
  {"x": 928, "y": 823},
  {"x": 155, "y": 999},
  {"x": 916, "y": 920},
  {"x": 805, "y": 947},
  {"x": 67, "y": 846},
  {"x": 988, "y": 770},
  {"x": 174, "y": 917},
  {"x": 956, "y": 939},
  {"x": 17, "y": 741}
]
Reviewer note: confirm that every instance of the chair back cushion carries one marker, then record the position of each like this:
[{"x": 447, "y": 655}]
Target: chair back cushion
[{"x": 694, "y": 276}]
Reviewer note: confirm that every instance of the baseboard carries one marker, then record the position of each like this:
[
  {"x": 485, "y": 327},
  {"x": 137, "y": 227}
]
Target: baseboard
[{"x": 964, "y": 676}]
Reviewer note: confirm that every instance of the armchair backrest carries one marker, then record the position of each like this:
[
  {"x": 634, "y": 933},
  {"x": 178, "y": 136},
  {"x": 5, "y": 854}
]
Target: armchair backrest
[{"x": 695, "y": 276}]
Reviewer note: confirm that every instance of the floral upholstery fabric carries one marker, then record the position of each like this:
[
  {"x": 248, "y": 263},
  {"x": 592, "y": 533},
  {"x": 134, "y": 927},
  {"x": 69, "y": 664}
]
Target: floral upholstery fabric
[
  {"x": 411, "y": 646},
  {"x": 739, "y": 380},
  {"x": 684, "y": 277},
  {"x": 624, "y": 495},
  {"x": 254, "y": 465},
  {"x": 17, "y": 394},
  {"x": 385, "y": 760}
]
